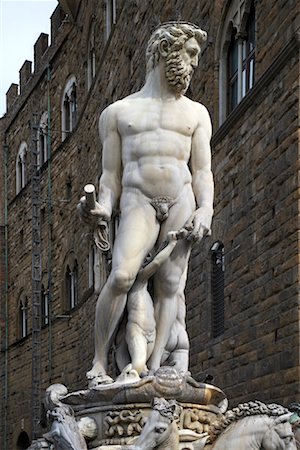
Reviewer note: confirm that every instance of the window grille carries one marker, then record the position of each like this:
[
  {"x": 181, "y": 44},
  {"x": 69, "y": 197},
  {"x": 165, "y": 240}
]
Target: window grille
[
  {"x": 23, "y": 311},
  {"x": 217, "y": 289}
]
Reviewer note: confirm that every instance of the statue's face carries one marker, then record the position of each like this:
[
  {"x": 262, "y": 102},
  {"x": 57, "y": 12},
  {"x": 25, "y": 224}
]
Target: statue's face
[
  {"x": 180, "y": 65},
  {"x": 190, "y": 53}
]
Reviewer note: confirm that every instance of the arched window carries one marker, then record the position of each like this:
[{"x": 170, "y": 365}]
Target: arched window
[
  {"x": 91, "y": 63},
  {"x": 236, "y": 44},
  {"x": 217, "y": 289},
  {"x": 21, "y": 169},
  {"x": 43, "y": 140},
  {"x": 72, "y": 285},
  {"x": 23, "y": 441},
  {"x": 23, "y": 316},
  {"x": 69, "y": 108},
  {"x": 110, "y": 15}
]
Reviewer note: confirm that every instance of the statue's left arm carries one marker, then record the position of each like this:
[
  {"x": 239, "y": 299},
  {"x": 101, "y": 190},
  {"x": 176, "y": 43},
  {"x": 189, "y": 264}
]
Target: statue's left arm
[{"x": 202, "y": 177}]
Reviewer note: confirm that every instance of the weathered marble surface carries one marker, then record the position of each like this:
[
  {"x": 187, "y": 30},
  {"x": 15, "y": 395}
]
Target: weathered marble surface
[{"x": 164, "y": 424}]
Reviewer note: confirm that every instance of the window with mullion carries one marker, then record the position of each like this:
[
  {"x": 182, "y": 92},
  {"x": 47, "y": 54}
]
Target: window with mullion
[
  {"x": 248, "y": 56},
  {"x": 233, "y": 74},
  {"x": 73, "y": 107}
]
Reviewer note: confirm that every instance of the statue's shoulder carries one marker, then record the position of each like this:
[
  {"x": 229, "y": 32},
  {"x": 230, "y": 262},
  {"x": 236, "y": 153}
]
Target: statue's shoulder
[
  {"x": 110, "y": 115},
  {"x": 113, "y": 108},
  {"x": 197, "y": 106}
]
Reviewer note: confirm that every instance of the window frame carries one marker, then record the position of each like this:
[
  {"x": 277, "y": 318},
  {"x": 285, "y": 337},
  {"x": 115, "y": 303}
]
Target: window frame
[
  {"x": 91, "y": 52},
  {"x": 235, "y": 25},
  {"x": 69, "y": 108},
  {"x": 21, "y": 167},
  {"x": 45, "y": 306},
  {"x": 42, "y": 142},
  {"x": 23, "y": 316},
  {"x": 71, "y": 279},
  {"x": 110, "y": 16}
]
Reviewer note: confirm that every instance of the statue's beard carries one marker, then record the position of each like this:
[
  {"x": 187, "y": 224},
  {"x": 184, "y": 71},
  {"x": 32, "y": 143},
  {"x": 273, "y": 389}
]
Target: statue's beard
[{"x": 178, "y": 74}]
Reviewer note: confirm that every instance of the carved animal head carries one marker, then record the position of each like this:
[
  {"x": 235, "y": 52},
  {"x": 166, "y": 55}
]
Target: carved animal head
[
  {"x": 279, "y": 435},
  {"x": 258, "y": 432},
  {"x": 160, "y": 431}
]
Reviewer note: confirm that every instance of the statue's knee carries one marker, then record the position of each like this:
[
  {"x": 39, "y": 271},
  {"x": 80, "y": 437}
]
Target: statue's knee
[{"x": 121, "y": 280}]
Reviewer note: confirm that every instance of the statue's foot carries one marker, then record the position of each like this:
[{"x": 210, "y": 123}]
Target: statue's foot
[
  {"x": 128, "y": 375},
  {"x": 145, "y": 373},
  {"x": 97, "y": 376},
  {"x": 96, "y": 370},
  {"x": 100, "y": 380}
]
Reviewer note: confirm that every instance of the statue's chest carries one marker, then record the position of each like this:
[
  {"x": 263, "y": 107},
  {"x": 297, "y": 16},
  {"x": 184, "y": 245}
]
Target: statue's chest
[{"x": 156, "y": 116}]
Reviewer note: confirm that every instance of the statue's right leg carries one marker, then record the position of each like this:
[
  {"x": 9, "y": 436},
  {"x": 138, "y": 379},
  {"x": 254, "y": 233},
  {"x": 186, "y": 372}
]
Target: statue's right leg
[{"x": 136, "y": 236}]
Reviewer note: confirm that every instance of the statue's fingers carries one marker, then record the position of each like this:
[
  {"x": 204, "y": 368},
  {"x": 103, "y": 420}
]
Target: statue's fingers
[
  {"x": 172, "y": 236},
  {"x": 183, "y": 233},
  {"x": 198, "y": 233},
  {"x": 189, "y": 225}
]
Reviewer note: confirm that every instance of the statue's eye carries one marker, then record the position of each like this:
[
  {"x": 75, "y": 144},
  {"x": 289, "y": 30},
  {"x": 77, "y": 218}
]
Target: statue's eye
[
  {"x": 160, "y": 429},
  {"x": 192, "y": 52}
]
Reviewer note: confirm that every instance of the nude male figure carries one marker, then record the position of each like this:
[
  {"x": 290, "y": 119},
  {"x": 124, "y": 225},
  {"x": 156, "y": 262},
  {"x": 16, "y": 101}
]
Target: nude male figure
[{"x": 157, "y": 166}]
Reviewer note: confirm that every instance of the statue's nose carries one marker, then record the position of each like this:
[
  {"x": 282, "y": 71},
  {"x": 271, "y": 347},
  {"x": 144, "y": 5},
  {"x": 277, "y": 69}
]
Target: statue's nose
[{"x": 194, "y": 62}]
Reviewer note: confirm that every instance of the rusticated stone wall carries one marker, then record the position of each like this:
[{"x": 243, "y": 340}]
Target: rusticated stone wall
[{"x": 255, "y": 163}]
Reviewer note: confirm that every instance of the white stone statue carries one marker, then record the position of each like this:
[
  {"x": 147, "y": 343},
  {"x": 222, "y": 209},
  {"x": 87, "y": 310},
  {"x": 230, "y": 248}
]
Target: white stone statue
[{"x": 157, "y": 170}]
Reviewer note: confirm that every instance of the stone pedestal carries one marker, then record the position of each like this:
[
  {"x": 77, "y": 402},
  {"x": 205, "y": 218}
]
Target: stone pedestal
[{"x": 120, "y": 411}]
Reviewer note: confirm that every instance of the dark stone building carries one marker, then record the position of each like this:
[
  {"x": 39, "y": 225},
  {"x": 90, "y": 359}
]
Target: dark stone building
[{"x": 243, "y": 287}]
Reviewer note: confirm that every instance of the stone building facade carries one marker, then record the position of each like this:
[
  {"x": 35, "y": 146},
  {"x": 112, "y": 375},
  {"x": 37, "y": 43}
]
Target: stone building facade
[{"x": 242, "y": 291}]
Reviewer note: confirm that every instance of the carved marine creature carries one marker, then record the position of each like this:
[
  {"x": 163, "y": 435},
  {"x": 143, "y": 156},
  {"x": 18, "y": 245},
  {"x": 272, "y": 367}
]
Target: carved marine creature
[
  {"x": 64, "y": 432},
  {"x": 253, "y": 426},
  {"x": 295, "y": 421}
]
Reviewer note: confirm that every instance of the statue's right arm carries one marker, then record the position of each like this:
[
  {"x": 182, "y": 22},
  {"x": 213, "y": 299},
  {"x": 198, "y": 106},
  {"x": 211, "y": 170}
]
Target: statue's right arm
[{"x": 110, "y": 180}]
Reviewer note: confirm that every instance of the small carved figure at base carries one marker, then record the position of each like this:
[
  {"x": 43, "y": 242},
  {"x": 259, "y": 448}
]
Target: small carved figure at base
[{"x": 128, "y": 375}]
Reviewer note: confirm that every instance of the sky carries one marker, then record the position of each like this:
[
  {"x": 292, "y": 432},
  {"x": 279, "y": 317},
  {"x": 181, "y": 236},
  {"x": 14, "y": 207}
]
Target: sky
[{"x": 21, "y": 23}]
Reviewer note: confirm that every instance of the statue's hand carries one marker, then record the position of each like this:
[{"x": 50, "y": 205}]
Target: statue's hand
[
  {"x": 92, "y": 217},
  {"x": 199, "y": 223}
]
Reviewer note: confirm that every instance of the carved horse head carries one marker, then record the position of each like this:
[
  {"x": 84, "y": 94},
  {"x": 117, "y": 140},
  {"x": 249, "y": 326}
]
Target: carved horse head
[{"x": 160, "y": 431}]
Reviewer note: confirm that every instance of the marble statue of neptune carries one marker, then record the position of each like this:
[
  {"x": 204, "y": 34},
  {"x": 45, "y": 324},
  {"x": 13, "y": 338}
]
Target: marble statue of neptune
[{"x": 157, "y": 170}]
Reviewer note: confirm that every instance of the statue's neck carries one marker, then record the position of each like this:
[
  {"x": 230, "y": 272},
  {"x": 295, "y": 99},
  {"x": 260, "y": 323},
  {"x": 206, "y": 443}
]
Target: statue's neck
[{"x": 157, "y": 86}]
